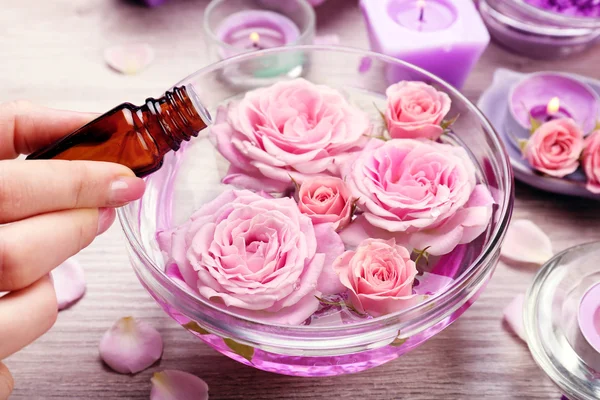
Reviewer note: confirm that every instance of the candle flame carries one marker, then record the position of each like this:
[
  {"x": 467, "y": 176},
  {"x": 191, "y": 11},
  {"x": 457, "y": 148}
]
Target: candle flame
[
  {"x": 254, "y": 37},
  {"x": 421, "y": 4},
  {"x": 553, "y": 106}
]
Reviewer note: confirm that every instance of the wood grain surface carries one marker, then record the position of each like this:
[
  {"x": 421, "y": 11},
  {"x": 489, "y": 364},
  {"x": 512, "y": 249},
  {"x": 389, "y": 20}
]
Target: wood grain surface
[{"x": 51, "y": 53}]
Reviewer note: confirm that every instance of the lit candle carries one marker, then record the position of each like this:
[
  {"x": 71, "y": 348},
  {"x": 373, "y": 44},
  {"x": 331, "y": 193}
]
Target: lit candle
[
  {"x": 546, "y": 96},
  {"x": 256, "y": 29},
  {"x": 444, "y": 37},
  {"x": 584, "y": 336}
]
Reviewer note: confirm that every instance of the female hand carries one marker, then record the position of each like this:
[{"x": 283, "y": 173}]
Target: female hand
[{"x": 49, "y": 211}]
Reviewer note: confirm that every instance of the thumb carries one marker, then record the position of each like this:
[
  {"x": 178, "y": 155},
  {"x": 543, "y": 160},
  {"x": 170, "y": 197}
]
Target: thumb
[{"x": 6, "y": 382}]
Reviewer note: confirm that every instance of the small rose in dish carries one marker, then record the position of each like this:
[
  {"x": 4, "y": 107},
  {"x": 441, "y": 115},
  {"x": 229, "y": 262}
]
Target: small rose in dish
[
  {"x": 256, "y": 255},
  {"x": 415, "y": 110},
  {"x": 555, "y": 147},
  {"x": 424, "y": 193},
  {"x": 326, "y": 199},
  {"x": 379, "y": 276},
  {"x": 291, "y": 129},
  {"x": 591, "y": 161}
]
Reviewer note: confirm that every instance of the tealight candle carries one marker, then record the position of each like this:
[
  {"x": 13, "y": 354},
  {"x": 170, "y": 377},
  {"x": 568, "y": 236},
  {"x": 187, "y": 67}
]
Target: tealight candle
[
  {"x": 547, "y": 95},
  {"x": 444, "y": 37},
  {"x": 585, "y": 337},
  {"x": 240, "y": 26}
]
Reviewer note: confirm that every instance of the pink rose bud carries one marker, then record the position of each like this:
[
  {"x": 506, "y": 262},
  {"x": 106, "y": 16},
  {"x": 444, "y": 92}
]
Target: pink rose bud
[
  {"x": 591, "y": 161},
  {"x": 554, "y": 147},
  {"x": 326, "y": 199},
  {"x": 415, "y": 110},
  {"x": 379, "y": 276},
  {"x": 293, "y": 128}
]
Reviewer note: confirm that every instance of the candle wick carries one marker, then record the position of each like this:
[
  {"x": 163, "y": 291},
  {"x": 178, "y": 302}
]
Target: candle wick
[{"x": 422, "y": 14}]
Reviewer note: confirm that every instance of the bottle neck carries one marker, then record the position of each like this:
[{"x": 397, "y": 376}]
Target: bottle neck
[{"x": 178, "y": 115}]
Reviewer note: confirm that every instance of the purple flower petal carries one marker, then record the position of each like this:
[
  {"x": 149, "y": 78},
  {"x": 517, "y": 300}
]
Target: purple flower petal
[
  {"x": 130, "y": 346},
  {"x": 177, "y": 385},
  {"x": 69, "y": 283}
]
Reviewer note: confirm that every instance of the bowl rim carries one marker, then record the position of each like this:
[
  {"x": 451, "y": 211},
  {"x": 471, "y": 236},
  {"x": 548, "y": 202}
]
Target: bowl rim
[{"x": 475, "y": 270}]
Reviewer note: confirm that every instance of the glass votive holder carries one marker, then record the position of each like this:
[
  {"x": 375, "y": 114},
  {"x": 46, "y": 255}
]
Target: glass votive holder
[
  {"x": 234, "y": 27},
  {"x": 535, "y": 32}
]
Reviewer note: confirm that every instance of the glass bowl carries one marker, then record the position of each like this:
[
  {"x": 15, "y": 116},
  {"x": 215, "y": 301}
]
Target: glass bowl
[
  {"x": 191, "y": 177},
  {"x": 535, "y": 32},
  {"x": 551, "y": 314}
]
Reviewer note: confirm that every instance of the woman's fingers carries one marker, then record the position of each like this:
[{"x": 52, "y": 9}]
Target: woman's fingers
[
  {"x": 25, "y": 315},
  {"x": 25, "y": 127},
  {"x": 6, "y": 382},
  {"x": 39, "y": 186},
  {"x": 31, "y": 248}
]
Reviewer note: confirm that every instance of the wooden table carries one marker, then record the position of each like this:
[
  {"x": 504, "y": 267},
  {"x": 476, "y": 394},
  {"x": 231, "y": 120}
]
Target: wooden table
[{"x": 52, "y": 55}]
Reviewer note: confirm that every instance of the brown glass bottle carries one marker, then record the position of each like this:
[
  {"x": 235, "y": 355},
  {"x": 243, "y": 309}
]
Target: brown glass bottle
[{"x": 137, "y": 137}]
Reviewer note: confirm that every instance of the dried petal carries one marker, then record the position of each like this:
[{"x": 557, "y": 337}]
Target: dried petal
[
  {"x": 177, "y": 385},
  {"x": 69, "y": 283},
  {"x": 129, "y": 59},
  {"x": 131, "y": 346},
  {"x": 525, "y": 242},
  {"x": 513, "y": 315}
]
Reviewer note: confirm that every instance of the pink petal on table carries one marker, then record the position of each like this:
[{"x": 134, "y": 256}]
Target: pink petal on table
[
  {"x": 525, "y": 242},
  {"x": 326, "y": 40},
  {"x": 513, "y": 315},
  {"x": 69, "y": 283},
  {"x": 172, "y": 384},
  {"x": 129, "y": 59},
  {"x": 130, "y": 346}
]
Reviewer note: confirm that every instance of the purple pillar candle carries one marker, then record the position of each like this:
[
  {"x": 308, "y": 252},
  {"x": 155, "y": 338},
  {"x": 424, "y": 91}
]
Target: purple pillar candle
[
  {"x": 444, "y": 37},
  {"x": 549, "y": 95}
]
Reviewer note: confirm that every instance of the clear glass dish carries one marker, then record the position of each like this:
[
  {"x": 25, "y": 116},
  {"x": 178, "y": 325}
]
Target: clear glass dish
[
  {"x": 191, "y": 177},
  {"x": 535, "y": 32},
  {"x": 551, "y": 314}
]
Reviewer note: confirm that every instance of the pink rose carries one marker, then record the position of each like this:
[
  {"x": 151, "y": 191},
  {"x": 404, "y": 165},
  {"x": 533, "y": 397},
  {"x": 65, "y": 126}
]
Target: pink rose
[
  {"x": 591, "y": 161},
  {"x": 326, "y": 199},
  {"x": 291, "y": 129},
  {"x": 554, "y": 147},
  {"x": 379, "y": 276},
  {"x": 257, "y": 255},
  {"x": 415, "y": 110},
  {"x": 420, "y": 192}
]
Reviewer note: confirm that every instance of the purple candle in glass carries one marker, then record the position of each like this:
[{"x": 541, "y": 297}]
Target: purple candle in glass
[
  {"x": 444, "y": 37},
  {"x": 577, "y": 8},
  {"x": 257, "y": 29},
  {"x": 548, "y": 95}
]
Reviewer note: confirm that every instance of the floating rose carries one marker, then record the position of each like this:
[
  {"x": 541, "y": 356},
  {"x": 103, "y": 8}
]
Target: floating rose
[
  {"x": 379, "y": 276},
  {"x": 291, "y": 129},
  {"x": 591, "y": 161},
  {"x": 326, "y": 199},
  {"x": 256, "y": 255},
  {"x": 415, "y": 110},
  {"x": 420, "y": 192},
  {"x": 555, "y": 147}
]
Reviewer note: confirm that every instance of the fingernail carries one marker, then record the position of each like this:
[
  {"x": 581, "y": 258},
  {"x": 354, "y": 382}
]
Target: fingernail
[
  {"x": 106, "y": 216},
  {"x": 126, "y": 189}
]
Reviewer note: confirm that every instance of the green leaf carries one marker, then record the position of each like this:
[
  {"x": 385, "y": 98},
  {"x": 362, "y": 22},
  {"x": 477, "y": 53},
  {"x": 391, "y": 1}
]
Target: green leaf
[
  {"x": 399, "y": 341},
  {"x": 339, "y": 304},
  {"x": 422, "y": 254},
  {"x": 194, "y": 327},
  {"x": 446, "y": 124},
  {"x": 296, "y": 184},
  {"x": 522, "y": 144},
  {"x": 597, "y": 126},
  {"x": 242, "y": 350},
  {"x": 535, "y": 124},
  {"x": 381, "y": 113}
]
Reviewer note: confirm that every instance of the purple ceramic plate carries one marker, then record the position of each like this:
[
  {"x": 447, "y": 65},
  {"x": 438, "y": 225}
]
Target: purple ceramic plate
[{"x": 494, "y": 104}]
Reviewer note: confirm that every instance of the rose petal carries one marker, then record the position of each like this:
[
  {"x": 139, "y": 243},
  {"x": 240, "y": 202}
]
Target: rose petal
[
  {"x": 525, "y": 242},
  {"x": 513, "y": 315},
  {"x": 172, "y": 384},
  {"x": 69, "y": 283},
  {"x": 130, "y": 346},
  {"x": 330, "y": 244},
  {"x": 360, "y": 229},
  {"x": 431, "y": 283},
  {"x": 129, "y": 59},
  {"x": 324, "y": 40}
]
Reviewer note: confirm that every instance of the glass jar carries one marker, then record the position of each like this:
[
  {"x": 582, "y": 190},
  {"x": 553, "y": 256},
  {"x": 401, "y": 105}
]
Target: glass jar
[
  {"x": 535, "y": 32},
  {"x": 192, "y": 176}
]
